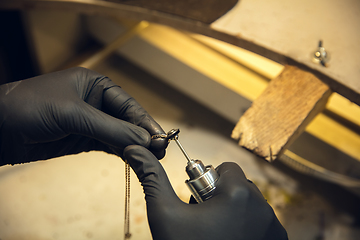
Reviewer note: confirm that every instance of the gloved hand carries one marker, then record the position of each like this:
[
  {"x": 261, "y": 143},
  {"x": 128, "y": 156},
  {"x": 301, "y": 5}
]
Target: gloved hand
[
  {"x": 237, "y": 209},
  {"x": 68, "y": 112}
]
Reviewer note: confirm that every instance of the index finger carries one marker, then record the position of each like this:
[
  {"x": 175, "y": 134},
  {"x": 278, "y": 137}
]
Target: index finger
[{"x": 120, "y": 104}]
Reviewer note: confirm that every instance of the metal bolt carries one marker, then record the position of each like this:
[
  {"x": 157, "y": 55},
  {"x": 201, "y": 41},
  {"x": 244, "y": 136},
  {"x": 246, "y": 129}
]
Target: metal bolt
[{"x": 320, "y": 55}]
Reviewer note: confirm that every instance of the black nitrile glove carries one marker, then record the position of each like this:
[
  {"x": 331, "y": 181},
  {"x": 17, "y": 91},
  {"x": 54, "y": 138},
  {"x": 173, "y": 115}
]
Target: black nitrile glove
[
  {"x": 68, "y": 112},
  {"x": 237, "y": 209}
]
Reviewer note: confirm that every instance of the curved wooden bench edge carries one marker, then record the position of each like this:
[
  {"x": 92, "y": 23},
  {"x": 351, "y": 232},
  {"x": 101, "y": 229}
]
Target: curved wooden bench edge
[{"x": 117, "y": 10}]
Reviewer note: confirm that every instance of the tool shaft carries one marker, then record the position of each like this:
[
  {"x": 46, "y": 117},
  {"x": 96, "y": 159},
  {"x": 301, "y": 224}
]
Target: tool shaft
[{"x": 182, "y": 149}]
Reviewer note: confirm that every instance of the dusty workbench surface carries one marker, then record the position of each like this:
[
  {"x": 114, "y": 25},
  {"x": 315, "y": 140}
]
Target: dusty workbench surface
[{"x": 285, "y": 31}]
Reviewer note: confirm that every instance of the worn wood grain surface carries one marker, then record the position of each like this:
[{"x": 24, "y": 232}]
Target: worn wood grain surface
[{"x": 281, "y": 113}]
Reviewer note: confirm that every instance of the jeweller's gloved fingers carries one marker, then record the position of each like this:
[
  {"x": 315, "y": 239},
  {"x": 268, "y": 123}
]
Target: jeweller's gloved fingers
[
  {"x": 159, "y": 194},
  {"x": 88, "y": 121},
  {"x": 237, "y": 209},
  {"x": 65, "y": 112},
  {"x": 121, "y": 105},
  {"x": 243, "y": 198}
]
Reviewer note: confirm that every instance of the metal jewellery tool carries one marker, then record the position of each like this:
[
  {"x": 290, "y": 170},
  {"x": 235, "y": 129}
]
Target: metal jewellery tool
[{"x": 202, "y": 179}]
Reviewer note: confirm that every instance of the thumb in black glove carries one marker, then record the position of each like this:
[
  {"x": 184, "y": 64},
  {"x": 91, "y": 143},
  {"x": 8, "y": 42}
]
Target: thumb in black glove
[
  {"x": 68, "y": 112},
  {"x": 237, "y": 209}
]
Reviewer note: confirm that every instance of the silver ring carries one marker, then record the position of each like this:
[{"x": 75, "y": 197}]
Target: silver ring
[{"x": 156, "y": 136}]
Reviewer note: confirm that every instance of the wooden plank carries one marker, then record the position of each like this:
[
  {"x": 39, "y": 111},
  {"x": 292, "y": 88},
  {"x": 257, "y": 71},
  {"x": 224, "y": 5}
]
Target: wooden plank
[{"x": 281, "y": 113}]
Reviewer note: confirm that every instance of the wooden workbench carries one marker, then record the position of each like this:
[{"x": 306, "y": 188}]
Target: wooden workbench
[{"x": 285, "y": 31}]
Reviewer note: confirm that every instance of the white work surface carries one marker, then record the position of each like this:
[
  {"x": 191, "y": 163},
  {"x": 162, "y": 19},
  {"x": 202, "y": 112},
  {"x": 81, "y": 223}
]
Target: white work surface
[{"x": 294, "y": 28}]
